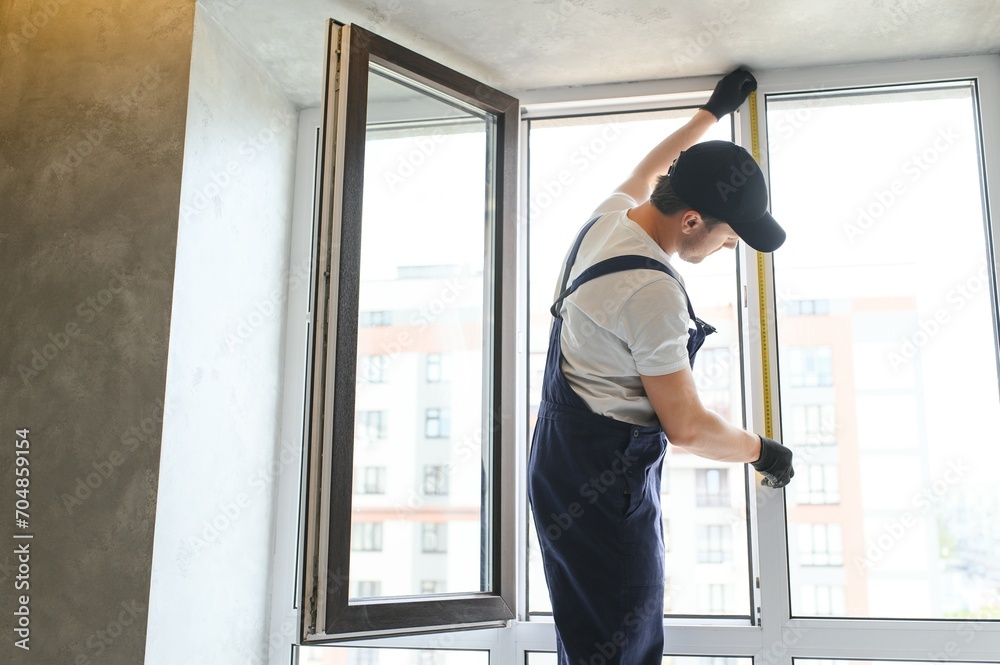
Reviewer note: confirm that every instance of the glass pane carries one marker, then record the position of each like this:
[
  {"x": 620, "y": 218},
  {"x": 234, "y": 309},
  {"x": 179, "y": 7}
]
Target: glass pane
[
  {"x": 418, "y": 514},
  {"x": 539, "y": 658},
  {"x": 332, "y": 655},
  {"x": 575, "y": 163},
  {"x": 887, "y": 359}
]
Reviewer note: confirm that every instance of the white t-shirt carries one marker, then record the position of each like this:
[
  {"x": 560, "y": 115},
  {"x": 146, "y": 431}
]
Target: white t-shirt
[{"x": 619, "y": 326}]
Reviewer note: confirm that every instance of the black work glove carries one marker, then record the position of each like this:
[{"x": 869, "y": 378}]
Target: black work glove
[
  {"x": 730, "y": 93},
  {"x": 774, "y": 463}
]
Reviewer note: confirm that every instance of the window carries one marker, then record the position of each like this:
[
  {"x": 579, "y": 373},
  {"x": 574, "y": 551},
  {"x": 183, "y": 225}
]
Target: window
[
  {"x": 819, "y": 483},
  {"x": 712, "y": 486},
  {"x": 370, "y": 480},
  {"x": 912, "y": 306},
  {"x": 433, "y": 369},
  {"x": 369, "y": 589},
  {"x": 713, "y": 375},
  {"x": 806, "y": 307},
  {"x": 715, "y": 543},
  {"x": 823, "y": 600},
  {"x": 372, "y": 424},
  {"x": 574, "y": 162},
  {"x": 437, "y": 424},
  {"x": 811, "y": 424},
  {"x": 715, "y": 597},
  {"x": 807, "y": 367},
  {"x": 416, "y": 152},
  {"x": 882, "y": 418},
  {"x": 436, "y": 480},
  {"x": 435, "y": 537},
  {"x": 364, "y": 657},
  {"x": 366, "y": 537},
  {"x": 820, "y": 545},
  {"x": 373, "y": 369},
  {"x": 374, "y": 319}
]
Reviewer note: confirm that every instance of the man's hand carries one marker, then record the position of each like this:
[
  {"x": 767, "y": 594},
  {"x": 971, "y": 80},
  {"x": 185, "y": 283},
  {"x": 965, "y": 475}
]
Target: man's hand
[
  {"x": 730, "y": 93},
  {"x": 775, "y": 463}
]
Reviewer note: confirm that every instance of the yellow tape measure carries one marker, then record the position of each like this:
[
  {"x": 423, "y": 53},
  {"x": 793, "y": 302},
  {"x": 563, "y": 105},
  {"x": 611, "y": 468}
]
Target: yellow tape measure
[{"x": 761, "y": 287}]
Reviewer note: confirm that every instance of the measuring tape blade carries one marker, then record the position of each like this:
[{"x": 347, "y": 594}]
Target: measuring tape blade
[{"x": 762, "y": 287}]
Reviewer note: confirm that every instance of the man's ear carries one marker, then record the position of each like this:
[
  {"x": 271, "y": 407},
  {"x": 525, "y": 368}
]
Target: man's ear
[{"x": 690, "y": 221}]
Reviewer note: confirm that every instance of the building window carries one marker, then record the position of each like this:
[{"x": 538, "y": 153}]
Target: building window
[
  {"x": 369, "y": 480},
  {"x": 807, "y": 307},
  {"x": 716, "y": 598},
  {"x": 823, "y": 600},
  {"x": 712, "y": 487},
  {"x": 368, "y": 589},
  {"x": 437, "y": 424},
  {"x": 436, "y": 480},
  {"x": 434, "y": 368},
  {"x": 364, "y": 657},
  {"x": 811, "y": 424},
  {"x": 715, "y": 543},
  {"x": 372, "y": 369},
  {"x": 820, "y": 545},
  {"x": 366, "y": 537},
  {"x": 820, "y": 483},
  {"x": 806, "y": 367},
  {"x": 431, "y": 586},
  {"x": 435, "y": 537},
  {"x": 375, "y": 319},
  {"x": 371, "y": 424},
  {"x": 431, "y": 658}
]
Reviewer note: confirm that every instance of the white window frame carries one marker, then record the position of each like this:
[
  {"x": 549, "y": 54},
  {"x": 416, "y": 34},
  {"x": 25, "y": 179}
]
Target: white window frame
[{"x": 777, "y": 637}]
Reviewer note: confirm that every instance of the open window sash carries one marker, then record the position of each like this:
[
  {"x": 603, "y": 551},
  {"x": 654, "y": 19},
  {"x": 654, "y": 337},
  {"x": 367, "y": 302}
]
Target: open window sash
[{"x": 373, "y": 246}]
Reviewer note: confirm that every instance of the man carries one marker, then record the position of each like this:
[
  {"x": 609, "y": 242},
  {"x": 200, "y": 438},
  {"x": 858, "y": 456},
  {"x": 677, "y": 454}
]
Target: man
[{"x": 618, "y": 385}]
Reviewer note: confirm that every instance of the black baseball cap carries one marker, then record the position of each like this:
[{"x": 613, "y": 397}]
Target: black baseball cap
[{"x": 723, "y": 180}]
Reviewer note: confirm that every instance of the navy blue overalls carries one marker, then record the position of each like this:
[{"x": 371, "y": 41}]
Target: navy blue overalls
[{"x": 594, "y": 487}]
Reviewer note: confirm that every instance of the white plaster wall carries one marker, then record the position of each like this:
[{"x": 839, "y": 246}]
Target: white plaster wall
[{"x": 212, "y": 549}]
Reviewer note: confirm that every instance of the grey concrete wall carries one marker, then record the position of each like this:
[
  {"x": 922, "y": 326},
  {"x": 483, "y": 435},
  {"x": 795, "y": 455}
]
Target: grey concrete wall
[
  {"x": 220, "y": 459},
  {"x": 93, "y": 101}
]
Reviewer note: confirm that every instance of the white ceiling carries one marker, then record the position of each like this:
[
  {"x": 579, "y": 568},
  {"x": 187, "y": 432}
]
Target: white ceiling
[{"x": 517, "y": 45}]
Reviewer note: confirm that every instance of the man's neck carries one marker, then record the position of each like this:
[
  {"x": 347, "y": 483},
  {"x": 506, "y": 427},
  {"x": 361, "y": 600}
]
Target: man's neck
[{"x": 656, "y": 225}]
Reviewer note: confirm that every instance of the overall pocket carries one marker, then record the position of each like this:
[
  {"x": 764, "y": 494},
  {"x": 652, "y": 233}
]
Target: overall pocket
[{"x": 642, "y": 461}]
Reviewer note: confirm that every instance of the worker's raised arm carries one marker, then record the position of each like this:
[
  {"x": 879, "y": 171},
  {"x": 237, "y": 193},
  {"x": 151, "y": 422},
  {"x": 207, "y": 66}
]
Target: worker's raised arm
[{"x": 730, "y": 92}]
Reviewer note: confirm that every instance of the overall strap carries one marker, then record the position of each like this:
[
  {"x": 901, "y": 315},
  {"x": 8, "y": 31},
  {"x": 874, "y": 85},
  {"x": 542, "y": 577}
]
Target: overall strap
[
  {"x": 613, "y": 265},
  {"x": 571, "y": 259}
]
